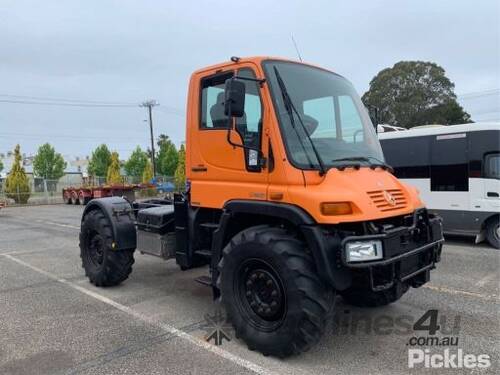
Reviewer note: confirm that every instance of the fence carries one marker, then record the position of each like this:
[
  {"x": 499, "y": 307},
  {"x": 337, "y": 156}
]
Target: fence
[{"x": 42, "y": 191}]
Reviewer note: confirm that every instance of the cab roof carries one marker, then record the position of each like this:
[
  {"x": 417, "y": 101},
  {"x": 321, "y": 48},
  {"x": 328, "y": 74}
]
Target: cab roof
[{"x": 255, "y": 60}]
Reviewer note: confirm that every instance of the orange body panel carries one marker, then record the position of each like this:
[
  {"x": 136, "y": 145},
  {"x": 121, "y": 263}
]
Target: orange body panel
[{"x": 217, "y": 173}]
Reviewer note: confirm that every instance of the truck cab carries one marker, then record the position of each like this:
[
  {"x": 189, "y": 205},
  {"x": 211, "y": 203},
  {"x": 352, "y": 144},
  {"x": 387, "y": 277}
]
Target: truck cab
[{"x": 288, "y": 200}]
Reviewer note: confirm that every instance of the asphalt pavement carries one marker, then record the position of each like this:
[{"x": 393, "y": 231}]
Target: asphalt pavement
[{"x": 53, "y": 321}]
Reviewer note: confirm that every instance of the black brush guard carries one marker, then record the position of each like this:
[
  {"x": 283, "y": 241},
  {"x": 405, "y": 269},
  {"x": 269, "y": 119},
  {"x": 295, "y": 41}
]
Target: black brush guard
[{"x": 409, "y": 252}]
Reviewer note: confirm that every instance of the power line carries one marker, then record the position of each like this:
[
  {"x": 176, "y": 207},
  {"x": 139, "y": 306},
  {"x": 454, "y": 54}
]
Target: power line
[
  {"x": 53, "y": 99},
  {"x": 67, "y": 137},
  {"x": 39, "y": 100},
  {"x": 69, "y": 104},
  {"x": 171, "y": 111},
  {"x": 477, "y": 94}
]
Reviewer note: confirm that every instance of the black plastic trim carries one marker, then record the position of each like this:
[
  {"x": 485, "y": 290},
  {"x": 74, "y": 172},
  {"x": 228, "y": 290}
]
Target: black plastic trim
[{"x": 286, "y": 211}]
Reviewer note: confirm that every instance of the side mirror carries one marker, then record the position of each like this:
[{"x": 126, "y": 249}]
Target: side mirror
[{"x": 234, "y": 98}]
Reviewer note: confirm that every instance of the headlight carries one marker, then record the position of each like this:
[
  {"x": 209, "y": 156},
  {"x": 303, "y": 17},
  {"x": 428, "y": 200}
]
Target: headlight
[{"x": 362, "y": 251}]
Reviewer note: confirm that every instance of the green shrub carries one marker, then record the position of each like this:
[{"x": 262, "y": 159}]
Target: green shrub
[
  {"x": 114, "y": 177},
  {"x": 17, "y": 186}
]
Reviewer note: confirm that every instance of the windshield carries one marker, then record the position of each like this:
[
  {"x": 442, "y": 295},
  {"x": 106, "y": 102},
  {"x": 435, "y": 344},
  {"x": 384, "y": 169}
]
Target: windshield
[{"x": 334, "y": 119}]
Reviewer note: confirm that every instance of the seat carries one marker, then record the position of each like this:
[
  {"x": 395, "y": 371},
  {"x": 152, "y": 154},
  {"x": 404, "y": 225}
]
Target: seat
[{"x": 219, "y": 119}]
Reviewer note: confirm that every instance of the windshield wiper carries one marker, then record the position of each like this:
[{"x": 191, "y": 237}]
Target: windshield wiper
[
  {"x": 379, "y": 163},
  {"x": 290, "y": 108}
]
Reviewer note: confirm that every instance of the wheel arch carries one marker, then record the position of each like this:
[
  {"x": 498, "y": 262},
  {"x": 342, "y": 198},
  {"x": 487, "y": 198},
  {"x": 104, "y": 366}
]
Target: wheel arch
[
  {"x": 488, "y": 219},
  {"x": 119, "y": 213},
  {"x": 239, "y": 215}
]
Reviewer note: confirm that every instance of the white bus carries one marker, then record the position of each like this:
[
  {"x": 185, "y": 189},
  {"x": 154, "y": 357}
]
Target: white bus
[{"x": 457, "y": 170}]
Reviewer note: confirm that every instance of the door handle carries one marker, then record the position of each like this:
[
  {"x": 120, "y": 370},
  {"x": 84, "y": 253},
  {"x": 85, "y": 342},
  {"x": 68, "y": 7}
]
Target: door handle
[
  {"x": 492, "y": 194},
  {"x": 199, "y": 168}
]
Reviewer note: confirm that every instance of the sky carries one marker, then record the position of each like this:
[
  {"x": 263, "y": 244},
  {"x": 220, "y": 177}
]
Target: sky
[{"x": 126, "y": 52}]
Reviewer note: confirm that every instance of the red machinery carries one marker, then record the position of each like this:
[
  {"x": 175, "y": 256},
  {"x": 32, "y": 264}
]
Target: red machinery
[{"x": 83, "y": 194}]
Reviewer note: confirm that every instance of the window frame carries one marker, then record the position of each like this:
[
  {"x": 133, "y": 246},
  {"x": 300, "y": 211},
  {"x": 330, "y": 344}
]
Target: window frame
[
  {"x": 485, "y": 171},
  {"x": 229, "y": 74},
  {"x": 439, "y": 142}
]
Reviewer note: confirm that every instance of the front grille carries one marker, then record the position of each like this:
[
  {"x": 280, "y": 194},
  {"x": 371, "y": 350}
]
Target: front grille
[{"x": 381, "y": 199}]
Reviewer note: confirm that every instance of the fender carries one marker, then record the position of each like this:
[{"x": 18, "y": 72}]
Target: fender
[
  {"x": 119, "y": 213},
  {"x": 323, "y": 249}
]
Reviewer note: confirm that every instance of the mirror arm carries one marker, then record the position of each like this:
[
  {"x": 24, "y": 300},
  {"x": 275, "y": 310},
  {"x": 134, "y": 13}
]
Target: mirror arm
[
  {"x": 261, "y": 154},
  {"x": 260, "y": 81}
]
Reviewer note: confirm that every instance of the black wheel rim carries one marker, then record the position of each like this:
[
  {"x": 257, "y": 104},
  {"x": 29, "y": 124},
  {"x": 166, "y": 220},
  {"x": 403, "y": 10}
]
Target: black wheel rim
[
  {"x": 261, "y": 296},
  {"x": 95, "y": 248}
]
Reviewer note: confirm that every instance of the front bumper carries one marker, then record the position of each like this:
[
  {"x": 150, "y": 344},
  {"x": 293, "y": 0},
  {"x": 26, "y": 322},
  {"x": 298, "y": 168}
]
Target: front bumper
[{"x": 409, "y": 253}]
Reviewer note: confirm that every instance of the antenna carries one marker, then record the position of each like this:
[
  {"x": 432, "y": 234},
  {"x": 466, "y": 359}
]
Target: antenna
[{"x": 296, "y": 48}]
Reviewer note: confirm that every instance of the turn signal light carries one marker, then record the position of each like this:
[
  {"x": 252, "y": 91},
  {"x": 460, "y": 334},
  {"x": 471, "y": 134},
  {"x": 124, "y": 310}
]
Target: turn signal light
[{"x": 336, "y": 208}]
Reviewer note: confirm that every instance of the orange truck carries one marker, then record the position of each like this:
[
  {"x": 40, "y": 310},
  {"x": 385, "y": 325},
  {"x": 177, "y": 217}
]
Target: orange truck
[{"x": 288, "y": 201}]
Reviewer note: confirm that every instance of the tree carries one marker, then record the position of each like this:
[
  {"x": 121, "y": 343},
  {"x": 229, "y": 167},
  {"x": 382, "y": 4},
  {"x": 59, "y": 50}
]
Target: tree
[
  {"x": 17, "y": 186},
  {"x": 168, "y": 157},
  {"x": 113, "y": 177},
  {"x": 136, "y": 163},
  {"x": 180, "y": 172},
  {"x": 147, "y": 176},
  {"x": 147, "y": 173},
  {"x": 100, "y": 161},
  {"x": 48, "y": 163},
  {"x": 414, "y": 93},
  {"x": 1, "y": 166}
]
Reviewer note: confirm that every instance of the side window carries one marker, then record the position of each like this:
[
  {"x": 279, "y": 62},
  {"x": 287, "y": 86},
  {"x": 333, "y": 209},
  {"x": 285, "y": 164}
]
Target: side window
[
  {"x": 449, "y": 167},
  {"x": 212, "y": 102},
  {"x": 323, "y": 111},
  {"x": 410, "y": 157},
  {"x": 352, "y": 126},
  {"x": 249, "y": 126},
  {"x": 492, "y": 166}
]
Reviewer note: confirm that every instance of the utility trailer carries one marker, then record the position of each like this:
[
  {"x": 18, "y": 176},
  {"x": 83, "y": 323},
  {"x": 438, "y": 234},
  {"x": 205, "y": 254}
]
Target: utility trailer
[
  {"x": 82, "y": 195},
  {"x": 288, "y": 202}
]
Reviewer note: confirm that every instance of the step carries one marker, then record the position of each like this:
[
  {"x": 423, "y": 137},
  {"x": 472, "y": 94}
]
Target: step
[
  {"x": 204, "y": 253},
  {"x": 204, "y": 280},
  {"x": 209, "y": 225}
]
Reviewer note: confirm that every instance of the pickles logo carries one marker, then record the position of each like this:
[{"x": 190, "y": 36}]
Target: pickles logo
[
  {"x": 217, "y": 328},
  {"x": 447, "y": 359},
  {"x": 450, "y": 357}
]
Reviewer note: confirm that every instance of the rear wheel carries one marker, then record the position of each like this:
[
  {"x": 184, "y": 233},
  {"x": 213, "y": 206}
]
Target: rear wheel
[
  {"x": 67, "y": 199},
  {"x": 271, "y": 292},
  {"x": 493, "y": 232},
  {"x": 103, "y": 265},
  {"x": 364, "y": 297}
]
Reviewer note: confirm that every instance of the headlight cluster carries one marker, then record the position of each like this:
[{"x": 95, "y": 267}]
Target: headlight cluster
[{"x": 363, "y": 251}]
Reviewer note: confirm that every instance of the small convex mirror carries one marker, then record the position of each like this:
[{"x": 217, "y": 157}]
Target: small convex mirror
[{"x": 234, "y": 95}]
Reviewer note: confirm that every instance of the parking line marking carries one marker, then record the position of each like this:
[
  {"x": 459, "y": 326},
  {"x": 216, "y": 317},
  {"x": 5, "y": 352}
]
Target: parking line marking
[
  {"x": 166, "y": 327},
  {"x": 462, "y": 292},
  {"x": 58, "y": 224},
  {"x": 487, "y": 278}
]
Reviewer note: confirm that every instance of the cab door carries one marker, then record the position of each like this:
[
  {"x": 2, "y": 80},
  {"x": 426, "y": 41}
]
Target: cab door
[{"x": 220, "y": 171}]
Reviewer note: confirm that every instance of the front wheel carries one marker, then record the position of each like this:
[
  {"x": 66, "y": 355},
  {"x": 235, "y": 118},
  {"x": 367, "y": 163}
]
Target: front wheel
[
  {"x": 103, "y": 265},
  {"x": 271, "y": 292},
  {"x": 493, "y": 232}
]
